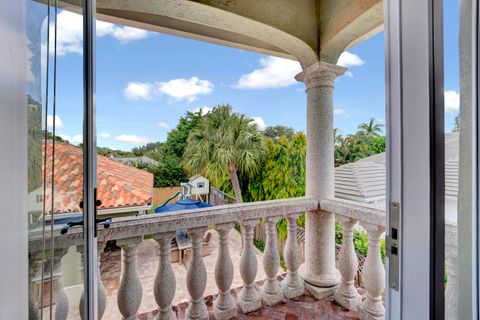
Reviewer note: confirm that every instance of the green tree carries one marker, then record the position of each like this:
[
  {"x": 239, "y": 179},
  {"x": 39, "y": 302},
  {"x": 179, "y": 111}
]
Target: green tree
[
  {"x": 225, "y": 143},
  {"x": 370, "y": 128},
  {"x": 275, "y": 132},
  {"x": 456, "y": 124}
]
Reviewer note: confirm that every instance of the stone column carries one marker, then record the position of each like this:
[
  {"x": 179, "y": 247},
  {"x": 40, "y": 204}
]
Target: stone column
[
  {"x": 129, "y": 296},
  {"x": 165, "y": 284},
  {"x": 347, "y": 295},
  {"x": 224, "y": 307},
  {"x": 196, "y": 278},
  {"x": 373, "y": 276},
  {"x": 319, "y": 272},
  {"x": 451, "y": 263},
  {"x": 248, "y": 300},
  {"x": 271, "y": 292},
  {"x": 102, "y": 295},
  {"x": 292, "y": 285}
]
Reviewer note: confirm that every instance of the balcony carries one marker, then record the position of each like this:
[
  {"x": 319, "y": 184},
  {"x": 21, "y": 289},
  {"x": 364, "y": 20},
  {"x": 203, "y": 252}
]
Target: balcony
[{"x": 279, "y": 296}]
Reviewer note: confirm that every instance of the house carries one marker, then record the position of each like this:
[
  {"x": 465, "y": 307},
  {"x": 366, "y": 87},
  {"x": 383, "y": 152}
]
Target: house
[
  {"x": 364, "y": 181},
  {"x": 122, "y": 189},
  {"x": 200, "y": 183}
]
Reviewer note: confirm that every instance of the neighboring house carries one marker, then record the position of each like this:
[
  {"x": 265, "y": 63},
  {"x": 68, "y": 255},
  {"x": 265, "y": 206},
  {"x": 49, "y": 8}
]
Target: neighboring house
[
  {"x": 123, "y": 189},
  {"x": 200, "y": 183},
  {"x": 365, "y": 180},
  {"x": 143, "y": 160}
]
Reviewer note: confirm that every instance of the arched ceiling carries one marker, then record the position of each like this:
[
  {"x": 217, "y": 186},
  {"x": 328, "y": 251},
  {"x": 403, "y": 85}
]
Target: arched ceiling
[{"x": 305, "y": 30}]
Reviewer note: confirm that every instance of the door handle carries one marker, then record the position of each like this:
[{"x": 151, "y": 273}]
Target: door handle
[{"x": 105, "y": 221}]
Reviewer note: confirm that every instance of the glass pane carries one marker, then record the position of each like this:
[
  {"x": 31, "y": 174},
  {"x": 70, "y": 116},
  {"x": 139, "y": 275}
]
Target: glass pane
[{"x": 55, "y": 161}]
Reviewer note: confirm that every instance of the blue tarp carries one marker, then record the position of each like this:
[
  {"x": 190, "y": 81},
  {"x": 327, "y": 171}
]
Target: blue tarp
[{"x": 182, "y": 204}]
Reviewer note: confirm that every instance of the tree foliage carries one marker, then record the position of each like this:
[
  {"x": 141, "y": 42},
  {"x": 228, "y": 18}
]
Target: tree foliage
[
  {"x": 275, "y": 132},
  {"x": 224, "y": 143}
]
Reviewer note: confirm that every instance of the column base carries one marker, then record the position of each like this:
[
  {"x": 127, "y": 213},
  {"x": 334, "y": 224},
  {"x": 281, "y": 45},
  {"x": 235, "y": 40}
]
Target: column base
[
  {"x": 292, "y": 292},
  {"x": 272, "y": 299},
  {"x": 320, "y": 293},
  {"x": 249, "y": 306},
  {"x": 349, "y": 303},
  {"x": 224, "y": 314},
  {"x": 367, "y": 316},
  {"x": 327, "y": 281}
]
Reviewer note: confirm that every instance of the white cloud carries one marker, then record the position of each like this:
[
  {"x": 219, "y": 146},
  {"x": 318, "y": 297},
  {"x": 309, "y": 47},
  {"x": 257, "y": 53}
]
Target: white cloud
[
  {"x": 70, "y": 33},
  {"x": 349, "y": 74},
  {"x": 76, "y": 139},
  {"x": 274, "y": 73},
  {"x": 163, "y": 125},
  {"x": 105, "y": 135},
  {"x": 58, "y": 122},
  {"x": 139, "y": 90},
  {"x": 348, "y": 59},
  {"x": 185, "y": 89},
  {"x": 131, "y": 138},
  {"x": 340, "y": 112},
  {"x": 452, "y": 101},
  {"x": 259, "y": 123},
  {"x": 204, "y": 110}
]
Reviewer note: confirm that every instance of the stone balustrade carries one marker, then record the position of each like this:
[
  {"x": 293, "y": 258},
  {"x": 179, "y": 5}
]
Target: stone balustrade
[
  {"x": 372, "y": 220},
  {"x": 129, "y": 232}
]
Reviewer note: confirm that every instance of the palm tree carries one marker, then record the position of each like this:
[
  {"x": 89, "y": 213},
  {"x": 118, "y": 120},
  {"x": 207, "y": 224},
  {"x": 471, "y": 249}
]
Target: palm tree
[
  {"x": 370, "y": 128},
  {"x": 225, "y": 142}
]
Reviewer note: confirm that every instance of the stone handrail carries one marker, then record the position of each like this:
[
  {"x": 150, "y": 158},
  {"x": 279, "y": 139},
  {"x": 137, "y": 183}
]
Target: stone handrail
[
  {"x": 373, "y": 220},
  {"x": 129, "y": 232}
]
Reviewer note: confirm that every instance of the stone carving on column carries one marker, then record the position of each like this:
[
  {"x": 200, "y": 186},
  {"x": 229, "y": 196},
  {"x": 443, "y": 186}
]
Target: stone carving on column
[
  {"x": 196, "y": 277},
  {"x": 347, "y": 295},
  {"x": 61, "y": 306},
  {"x": 271, "y": 292},
  {"x": 292, "y": 285},
  {"x": 319, "y": 272},
  {"x": 102, "y": 295},
  {"x": 249, "y": 299},
  {"x": 224, "y": 306},
  {"x": 373, "y": 276},
  {"x": 165, "y": 283},
  {"x": 129, "y": 296}
]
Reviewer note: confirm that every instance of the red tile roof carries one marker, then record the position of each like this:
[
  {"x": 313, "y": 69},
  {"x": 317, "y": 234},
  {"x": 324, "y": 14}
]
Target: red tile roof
[{"x": 118, "y": 185}]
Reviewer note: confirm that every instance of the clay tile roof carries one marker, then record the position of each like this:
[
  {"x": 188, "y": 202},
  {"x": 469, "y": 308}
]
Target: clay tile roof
[{"x": 118, "y": 184}]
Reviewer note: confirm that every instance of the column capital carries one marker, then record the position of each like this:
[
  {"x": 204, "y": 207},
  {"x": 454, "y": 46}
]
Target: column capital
[{"x": 320, "y": 74}]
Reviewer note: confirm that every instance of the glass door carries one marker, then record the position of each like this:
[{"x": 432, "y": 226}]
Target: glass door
[
  {"x": 432, "y": 228},
  {"x": 62, "y": 243}
]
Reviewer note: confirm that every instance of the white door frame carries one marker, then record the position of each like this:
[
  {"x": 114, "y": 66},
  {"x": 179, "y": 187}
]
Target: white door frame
[{"x": 414, "y": 81}]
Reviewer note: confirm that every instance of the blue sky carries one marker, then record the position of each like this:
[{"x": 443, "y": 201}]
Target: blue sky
[{"x": 146, "y": 81}]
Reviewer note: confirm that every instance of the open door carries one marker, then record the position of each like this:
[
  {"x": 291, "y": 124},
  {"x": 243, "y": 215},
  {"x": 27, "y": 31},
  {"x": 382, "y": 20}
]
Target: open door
[{"x": 432, "y": 174}]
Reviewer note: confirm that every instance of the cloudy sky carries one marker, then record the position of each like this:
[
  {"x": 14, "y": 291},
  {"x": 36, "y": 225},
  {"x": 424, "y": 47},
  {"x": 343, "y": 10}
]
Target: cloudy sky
[{"x": 146, "y": 81}]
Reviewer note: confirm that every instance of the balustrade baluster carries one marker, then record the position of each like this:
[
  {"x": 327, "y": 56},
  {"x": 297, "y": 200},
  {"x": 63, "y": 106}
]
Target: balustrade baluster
[
  {"x": 347, "y": 295},
  {"x": 249, "y": 299},
  {"x": 197, "y": 277},
  {"x": 292, "y": 285},
  {"x": 373, "y": 275},
  {"x": 129, "y": 296},
  {"x": 102, "y": 295},
  {"x": 224, "y": 307},
  {"x": 271, "y": 292},
  {"x": 35, "y": 261},
  {"x": 61, "y": 306},
  {"x": 165, "y": 284}
]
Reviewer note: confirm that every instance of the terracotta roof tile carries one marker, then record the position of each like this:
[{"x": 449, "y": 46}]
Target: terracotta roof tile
[{"x": 118, "y": 184}]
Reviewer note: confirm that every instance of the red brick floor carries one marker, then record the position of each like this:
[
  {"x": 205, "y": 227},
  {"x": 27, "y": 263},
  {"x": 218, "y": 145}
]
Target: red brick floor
[{"x": 304, "y": 308}]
